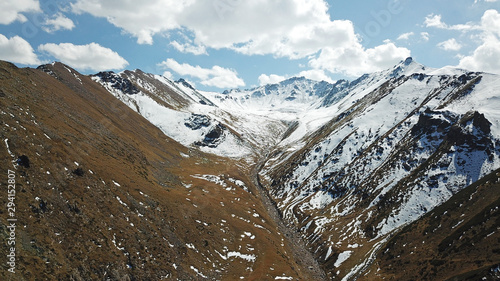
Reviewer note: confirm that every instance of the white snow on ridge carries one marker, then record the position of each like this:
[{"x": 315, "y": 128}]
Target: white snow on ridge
[
  {"x": 293, "y": 101},
  {"x": 330, "y": 172},
  {"x": 261, "y": 115},
  {"x": 485, "y": 99},
  {"x": 172, "y": 123}
]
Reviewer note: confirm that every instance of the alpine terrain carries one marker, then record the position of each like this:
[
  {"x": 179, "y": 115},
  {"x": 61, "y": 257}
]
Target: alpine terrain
[{"x": 133, "y": 176}]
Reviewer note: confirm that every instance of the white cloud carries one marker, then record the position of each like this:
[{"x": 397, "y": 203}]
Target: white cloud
[
  {"x": 435, "y": 21},
  {"x": 215, "y": 77},
  {"x": 425, "y": 36},
  {"x": 85, "y": 57},
  {"x": 295, "y": 28},
  {"x": 58, "y": 22},
  {"x": 316, "y": 74},
  {"x": 11, "y": 10},
  {"x": 292, "y": 29},
  {"x": 450, "y": 45},
  {"x": 141, "y": 20},
  {"x": 485, "y": 58},
  {"x": 405, "y": 36},
  {"x": 490, "y": 22},
  {"x": 17, "y": 50},
  {"x": 168, "y": 74},
  {"x": 270, "y": 79},
  {"x": 355, "y": 60},
  {"x": 189, "y": 48}
]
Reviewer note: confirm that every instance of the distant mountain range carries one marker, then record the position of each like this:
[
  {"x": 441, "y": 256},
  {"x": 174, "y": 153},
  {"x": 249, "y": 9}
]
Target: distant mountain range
[{"x": 133, "y": 176}]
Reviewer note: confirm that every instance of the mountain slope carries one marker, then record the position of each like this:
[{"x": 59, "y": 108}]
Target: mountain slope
[
  {"x": 399, "y": 150},
  {"x": 348, "y": 164},
  {"x": 166, "y": 104},
  {"x": 458, "y": 240},
  {"x": 101, "y": 193},
  {"x": 191, "y": 185}
]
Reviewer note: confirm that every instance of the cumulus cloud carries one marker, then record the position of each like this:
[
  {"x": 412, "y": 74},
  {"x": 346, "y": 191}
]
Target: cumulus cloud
[
  {"x": 490, "y": 23},
  {"x": 490, "y": 1},
  {"x": 189, "y": 48},
  {"x": 425, "y": 36},
  {"x": 265, "y": 79},
  {"x": 292, "y": 29},
  {"x": 450, "y": 45},
  {"x": 59, "y": 22},
  {"x": 141, "y": 20},
  {"x": 316, "y": 74},
  {"x": 486, "y": 57},
  {"x": 405, "y": 36},
  {"x": 85, "y": 57},
  {"x": 215, "y": 77},
  {"x": 356, "y": 60},
  {"x": 17, "y": 50},
  {"x": 11, "y": 11},
  {"x": 168, "y": 74},
  {"x": 435, "y": 21}
]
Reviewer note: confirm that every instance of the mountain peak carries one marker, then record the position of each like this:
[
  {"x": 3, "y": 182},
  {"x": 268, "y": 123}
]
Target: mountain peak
[
  {"x": 407, "y": 67},
  {"x": 55, "y": 65},
  {"x": 185, "y": 83},
  {"x": 295, "y": 78},
  {"x": 408, "y": 61}
]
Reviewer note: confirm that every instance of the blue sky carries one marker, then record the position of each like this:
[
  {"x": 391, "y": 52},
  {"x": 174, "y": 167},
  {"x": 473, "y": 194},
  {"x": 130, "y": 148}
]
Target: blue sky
[{"x": 223, "y": 44}]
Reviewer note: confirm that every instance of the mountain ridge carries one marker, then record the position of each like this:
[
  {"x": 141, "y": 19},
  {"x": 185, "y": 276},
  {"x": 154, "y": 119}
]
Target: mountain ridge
[
  {"x": 348, "y": 166},
  {"x": 358, "y": 162},
  {"x": 359, "y": 97},
  {"x": 107, "y": 195}
]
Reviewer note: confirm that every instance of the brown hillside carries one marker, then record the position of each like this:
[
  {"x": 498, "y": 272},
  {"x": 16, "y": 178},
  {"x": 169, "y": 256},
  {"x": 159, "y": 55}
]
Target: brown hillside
[{"x": 107, "y": 196}]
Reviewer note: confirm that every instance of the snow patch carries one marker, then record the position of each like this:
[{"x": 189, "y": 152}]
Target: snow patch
[{"x": 342, "y": 258}]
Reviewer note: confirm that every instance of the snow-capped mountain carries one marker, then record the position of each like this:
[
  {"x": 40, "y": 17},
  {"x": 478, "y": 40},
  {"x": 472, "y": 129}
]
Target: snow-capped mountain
[
  {"x": 350, "y": 163},
  {"x": 392, "y": 152},
  {"x": 296, "y": 94},
  {"x": 301, "y": 179},
  {"x": 172, "y": 107}
]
